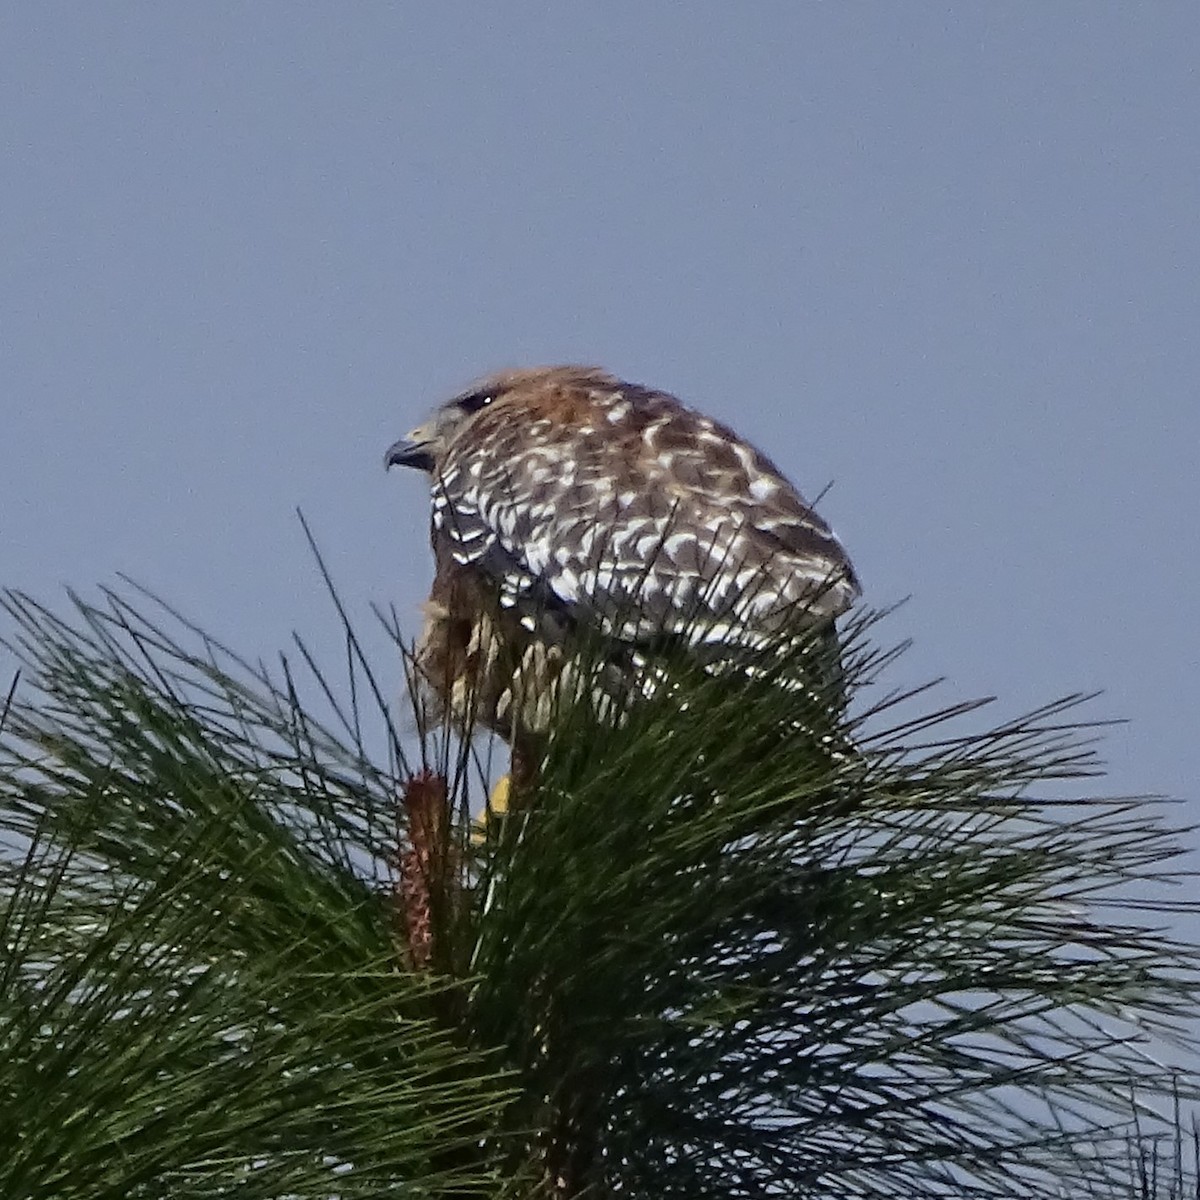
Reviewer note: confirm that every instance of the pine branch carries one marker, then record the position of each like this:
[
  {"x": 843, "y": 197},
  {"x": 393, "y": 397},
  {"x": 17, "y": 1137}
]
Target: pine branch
[
  {"x": 202, "y": 986},
  {"x": 734, "y": 943},
  {"x": 729, "y": 954}
]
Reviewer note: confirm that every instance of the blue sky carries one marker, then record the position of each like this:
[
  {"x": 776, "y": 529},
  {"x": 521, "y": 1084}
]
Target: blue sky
[{"x": 945, "y": 256}]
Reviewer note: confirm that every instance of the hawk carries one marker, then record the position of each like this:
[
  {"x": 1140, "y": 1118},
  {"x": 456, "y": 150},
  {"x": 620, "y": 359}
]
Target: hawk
[{"x": 566, "y": 500}]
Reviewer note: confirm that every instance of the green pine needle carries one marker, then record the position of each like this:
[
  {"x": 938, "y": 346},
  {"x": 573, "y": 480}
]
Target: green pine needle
[{"x": 735, "y": 944}]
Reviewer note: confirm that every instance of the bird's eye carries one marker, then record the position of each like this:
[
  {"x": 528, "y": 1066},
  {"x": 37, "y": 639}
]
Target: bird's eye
[{"x": 475, "y": 401}]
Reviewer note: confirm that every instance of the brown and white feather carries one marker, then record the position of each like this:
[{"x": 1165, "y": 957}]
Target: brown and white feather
[{"x": 563, "y": 497}]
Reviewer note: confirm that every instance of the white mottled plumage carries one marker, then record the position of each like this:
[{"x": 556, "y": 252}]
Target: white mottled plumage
[{"x": 565, "y": 498}]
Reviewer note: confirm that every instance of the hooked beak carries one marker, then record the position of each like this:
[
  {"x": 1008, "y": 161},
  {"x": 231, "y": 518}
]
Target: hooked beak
[{"x": 406, "y": 453}]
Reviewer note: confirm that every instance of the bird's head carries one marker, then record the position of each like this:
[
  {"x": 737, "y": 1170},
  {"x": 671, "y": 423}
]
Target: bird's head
[{"x": 425, "y": 446}]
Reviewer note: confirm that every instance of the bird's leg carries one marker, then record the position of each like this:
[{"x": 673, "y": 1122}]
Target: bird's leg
[
  {"x": 510, "y": 789},
  {"x": 522, "y": 772},
  {"x": 500, "y": 800},
  {"x": 498, "y": 805}
]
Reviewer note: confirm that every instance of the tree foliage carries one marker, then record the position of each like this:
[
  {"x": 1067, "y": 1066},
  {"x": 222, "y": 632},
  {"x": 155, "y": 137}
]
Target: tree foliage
[{"x": 722, "y": 951}]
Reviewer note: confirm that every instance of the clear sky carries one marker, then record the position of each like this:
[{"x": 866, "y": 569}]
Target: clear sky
[{"x": 945, "y": 255}]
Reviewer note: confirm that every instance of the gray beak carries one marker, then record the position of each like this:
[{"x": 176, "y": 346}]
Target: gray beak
[{"x": 405, "y": 453}]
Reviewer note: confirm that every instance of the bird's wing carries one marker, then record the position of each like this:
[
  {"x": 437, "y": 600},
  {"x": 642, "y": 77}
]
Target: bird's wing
[{"x": 683, "y": 530}]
